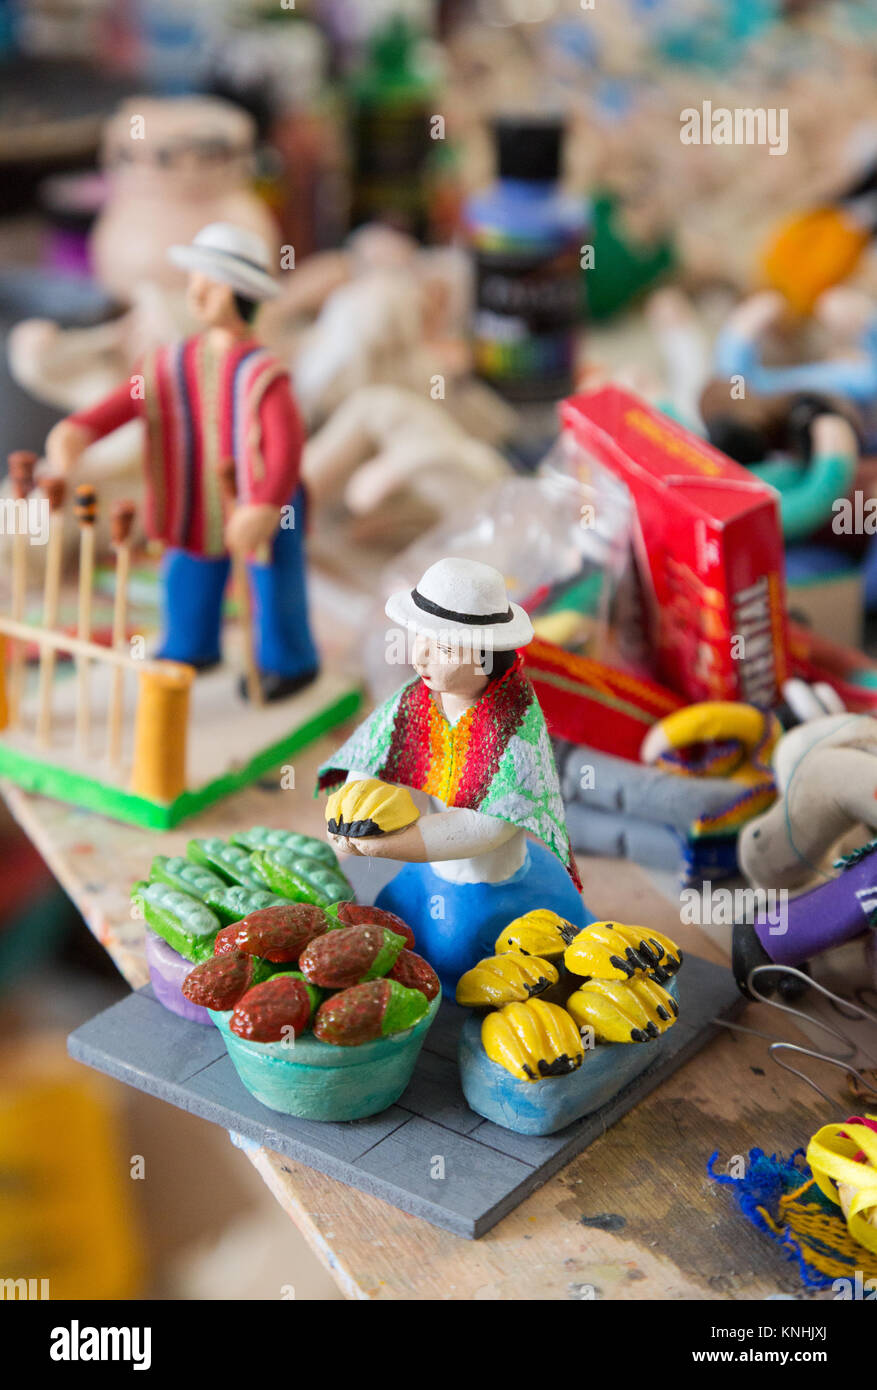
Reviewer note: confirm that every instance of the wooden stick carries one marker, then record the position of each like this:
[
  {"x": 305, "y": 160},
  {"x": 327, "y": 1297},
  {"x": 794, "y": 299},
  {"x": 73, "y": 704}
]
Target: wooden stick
[
  {"x": 120, "y": 531},
  {"x": 241, "y": 587},
  {"x": 54, "y": 488},
  {"x": 85, "y": 510},
  {"x": 21, "y": 472},
  {"x": 92, "y": 651}
]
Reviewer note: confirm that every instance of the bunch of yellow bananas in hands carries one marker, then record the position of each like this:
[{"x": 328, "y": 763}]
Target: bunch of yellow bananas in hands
[{"x": 369, "y": 807}]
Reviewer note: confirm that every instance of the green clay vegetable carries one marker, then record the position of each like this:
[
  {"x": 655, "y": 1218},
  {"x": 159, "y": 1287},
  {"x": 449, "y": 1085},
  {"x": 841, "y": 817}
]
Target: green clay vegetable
[
  {"x": 231, "y": 903},
  {"x": 182, "y": 921},
  {"x": 261, "y": 837},
  {"x": 229, "y": 861},
  {"x": 185, "y": 876},
  {"x": 302, "y": 878}
]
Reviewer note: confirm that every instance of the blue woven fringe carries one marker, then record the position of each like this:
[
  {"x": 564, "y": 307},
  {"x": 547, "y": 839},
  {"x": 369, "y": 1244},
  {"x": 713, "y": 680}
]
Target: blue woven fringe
[{"x": 767, "y": 1179}]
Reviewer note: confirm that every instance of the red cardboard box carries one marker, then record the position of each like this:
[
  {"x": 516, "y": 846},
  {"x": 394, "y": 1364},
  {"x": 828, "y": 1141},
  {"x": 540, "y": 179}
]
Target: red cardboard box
[{"x": 709, "y": 547}]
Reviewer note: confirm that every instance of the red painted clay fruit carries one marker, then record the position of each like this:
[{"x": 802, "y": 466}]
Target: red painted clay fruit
[
  {"x": 268, "y": 1011},
  {"x": 368, "y": 1011},
  {"x": 362, "y": 914},
  {"x": 414, "y": 972},
  {"x": 278, "y": 933},
  {"x": 218, "y": 983},
  {"x": 349, "y": 956}
]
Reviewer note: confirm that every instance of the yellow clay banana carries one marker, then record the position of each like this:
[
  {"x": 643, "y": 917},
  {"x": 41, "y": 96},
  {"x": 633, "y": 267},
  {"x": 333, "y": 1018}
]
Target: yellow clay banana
[
  {"x": 633, "y": 1011},
  {"x": 505, "y": 979},
  {"x": 612, "y": 951},
  {"x": 533, "y": 1040},
  {"x": 662, "y": 956},
  {"x": 538, "y": 933},
  {"x": 370, "y": 807}
]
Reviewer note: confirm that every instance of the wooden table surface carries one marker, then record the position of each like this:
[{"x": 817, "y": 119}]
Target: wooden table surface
[{"x": 633, "y": 1217}]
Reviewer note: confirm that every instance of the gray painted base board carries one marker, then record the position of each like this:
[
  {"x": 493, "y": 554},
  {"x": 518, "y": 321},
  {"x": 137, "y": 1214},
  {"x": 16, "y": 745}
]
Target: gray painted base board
[{"x": 488, "y": 1170}]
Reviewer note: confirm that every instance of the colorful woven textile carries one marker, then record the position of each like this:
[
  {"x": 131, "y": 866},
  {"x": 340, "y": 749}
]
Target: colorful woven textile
[
  {"x": 844, "y": 1163},
  {"x": 782, "y": 1198},
  {"x": 497, "y": 758},
  {"x": 729, "y": 758},
  {"x": 587, "y": 702},
  {"x": 201, "y": 407}
]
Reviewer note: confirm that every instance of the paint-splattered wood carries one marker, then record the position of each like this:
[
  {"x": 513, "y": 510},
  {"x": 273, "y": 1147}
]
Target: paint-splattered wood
[{"x": 634, "y": 1217}]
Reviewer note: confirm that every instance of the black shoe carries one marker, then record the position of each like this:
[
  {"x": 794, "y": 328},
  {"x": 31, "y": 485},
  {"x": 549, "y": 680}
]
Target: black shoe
[
  {"x": 747, "y": 952},
  {"x": 202, "y": 667},
  {"x": 276, "y": 687}
]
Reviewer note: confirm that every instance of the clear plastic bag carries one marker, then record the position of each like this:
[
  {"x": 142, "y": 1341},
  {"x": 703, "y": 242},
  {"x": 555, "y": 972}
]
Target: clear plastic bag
[{"x": 560, "y": 538}]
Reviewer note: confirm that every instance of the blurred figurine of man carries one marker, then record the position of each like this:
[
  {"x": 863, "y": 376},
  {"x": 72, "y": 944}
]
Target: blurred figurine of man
[{"x": 213, "y": 397}]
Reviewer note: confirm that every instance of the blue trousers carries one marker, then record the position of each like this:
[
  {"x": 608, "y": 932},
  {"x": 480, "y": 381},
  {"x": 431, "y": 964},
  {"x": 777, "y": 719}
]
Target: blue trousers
[{"x": 194, "y": 586}]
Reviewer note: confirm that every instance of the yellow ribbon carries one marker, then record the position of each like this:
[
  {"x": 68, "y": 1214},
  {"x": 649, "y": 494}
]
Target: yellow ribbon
[{"x": 831, "y": 1154}]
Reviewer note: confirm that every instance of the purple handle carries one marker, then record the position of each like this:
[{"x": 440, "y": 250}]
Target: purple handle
[{"x": 837, "y": 911}]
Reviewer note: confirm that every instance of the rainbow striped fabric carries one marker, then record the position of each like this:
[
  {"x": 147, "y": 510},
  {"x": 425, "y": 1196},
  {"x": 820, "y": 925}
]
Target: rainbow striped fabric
[
  {"x": 496, "y": 759},
  {"x": 200, "y": 408}
]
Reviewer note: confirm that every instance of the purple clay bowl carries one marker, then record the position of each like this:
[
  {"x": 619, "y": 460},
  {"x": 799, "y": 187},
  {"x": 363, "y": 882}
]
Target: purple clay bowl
[{"x": 167, "y": 971}]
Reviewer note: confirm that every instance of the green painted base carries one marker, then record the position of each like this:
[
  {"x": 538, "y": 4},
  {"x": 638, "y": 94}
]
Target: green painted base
[{"x": 50, "y": 779}]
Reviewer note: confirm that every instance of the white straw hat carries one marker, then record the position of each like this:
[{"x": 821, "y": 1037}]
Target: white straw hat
[
  {"x": 463, "y": 597},
  {"x": 232, "y": 256}
]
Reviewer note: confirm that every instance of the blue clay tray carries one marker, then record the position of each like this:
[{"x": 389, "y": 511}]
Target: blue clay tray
[
  {"x": 487, "y": 1170},
  {"x": 544, "y": 1107}
]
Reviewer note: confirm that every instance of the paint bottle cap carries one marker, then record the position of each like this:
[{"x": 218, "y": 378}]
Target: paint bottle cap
[{"x": 529, "y": 147}]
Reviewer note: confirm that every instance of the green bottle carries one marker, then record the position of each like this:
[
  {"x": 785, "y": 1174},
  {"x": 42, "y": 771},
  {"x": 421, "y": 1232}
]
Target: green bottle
[{"x": 392, "y": 102}]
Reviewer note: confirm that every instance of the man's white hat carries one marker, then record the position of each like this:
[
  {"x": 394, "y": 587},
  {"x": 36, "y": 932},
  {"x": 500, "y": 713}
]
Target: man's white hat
[
  {"x": 232, "y": 256},
  {"x": 457, "y": 598}
]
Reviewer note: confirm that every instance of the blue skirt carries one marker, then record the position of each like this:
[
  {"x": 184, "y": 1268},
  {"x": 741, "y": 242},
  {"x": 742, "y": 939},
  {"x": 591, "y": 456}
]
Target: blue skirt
[{"x": 456, "y": 924}]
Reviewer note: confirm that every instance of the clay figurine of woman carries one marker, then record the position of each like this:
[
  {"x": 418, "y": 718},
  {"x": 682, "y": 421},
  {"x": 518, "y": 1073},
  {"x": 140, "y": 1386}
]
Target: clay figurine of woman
[{"x": 468, "y": 739}]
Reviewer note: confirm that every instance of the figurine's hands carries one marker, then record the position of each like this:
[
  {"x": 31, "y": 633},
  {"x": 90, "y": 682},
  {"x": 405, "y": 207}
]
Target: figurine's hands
[
  {"x": 65, "y": 445},
  {"x": 406, "y": 845},
  {"x": 340, "y": 843},
  {"x": 251, "y": 526}
]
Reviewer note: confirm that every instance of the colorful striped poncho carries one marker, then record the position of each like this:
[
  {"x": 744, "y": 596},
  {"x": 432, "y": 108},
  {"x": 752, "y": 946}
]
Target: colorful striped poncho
[
  {"x": 200, "y": 407},
  {"x": 496, "y": 759}
]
